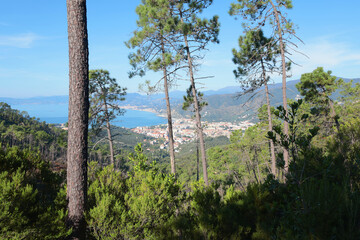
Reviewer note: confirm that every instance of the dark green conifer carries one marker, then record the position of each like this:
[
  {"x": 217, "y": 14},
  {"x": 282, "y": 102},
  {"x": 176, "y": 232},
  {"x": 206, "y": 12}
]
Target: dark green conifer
[
  {"x": 256, "y": 59},
  {"x": 262, "y": 12},
  {"x": 156, "y": 49},
  {"x": 104, "y": 95},
  {"x": 196, "y": 34}
]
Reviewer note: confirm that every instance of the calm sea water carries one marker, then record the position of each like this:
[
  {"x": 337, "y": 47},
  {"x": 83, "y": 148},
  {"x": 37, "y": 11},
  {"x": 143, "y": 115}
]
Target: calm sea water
[{"x": 57, "y": 113}]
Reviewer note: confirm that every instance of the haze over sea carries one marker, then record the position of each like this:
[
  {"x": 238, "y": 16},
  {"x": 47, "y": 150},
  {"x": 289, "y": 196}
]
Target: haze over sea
[{"x": 57, "y": 113}]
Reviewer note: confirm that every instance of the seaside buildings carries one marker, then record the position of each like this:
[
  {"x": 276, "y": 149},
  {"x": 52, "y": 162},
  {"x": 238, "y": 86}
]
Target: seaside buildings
[{"x": 184, "y": 131}]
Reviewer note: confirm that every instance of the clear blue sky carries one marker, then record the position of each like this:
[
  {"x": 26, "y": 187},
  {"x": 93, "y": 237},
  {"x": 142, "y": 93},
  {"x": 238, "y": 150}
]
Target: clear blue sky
[{"x": 34, "y": 54}]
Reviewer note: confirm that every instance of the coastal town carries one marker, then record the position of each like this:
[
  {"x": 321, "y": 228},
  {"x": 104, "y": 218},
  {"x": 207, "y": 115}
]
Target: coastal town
[{"x": 184, "y": 131}]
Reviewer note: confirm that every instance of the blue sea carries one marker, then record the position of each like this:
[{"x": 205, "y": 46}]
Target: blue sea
[{"x": 57, "y": 113}]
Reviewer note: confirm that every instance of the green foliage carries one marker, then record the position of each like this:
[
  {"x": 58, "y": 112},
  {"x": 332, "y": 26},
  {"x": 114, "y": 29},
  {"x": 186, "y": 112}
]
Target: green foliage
[
  {"x": 223, "y": 165},
  {"x": 19, "y": 129},
  {"x": 322, "y": 182},
  {"x": 299, "y": 142},
  {"x": 318, "y": 86},
  {"x": 155, "y": 40},
  {"x": 205, "y": 204},
  {"x": 255, "y": 60},
  {"x": 262, "y": 115},
  {"x": 244, "y": 161},
  {"x": 104, "y": 94},
  {"x": 350, "y": 96},
  {"x": 255, "y": 159},
  {"x": 260, "y": 12},
  {"x": 106, "y": 195},
  {"x": 319, "y": 200},
  {"x": 12, "y": 218},
  {"x": 32, "y": 202},
  {"x": 189, "y": 99},
  {"x": 202, "y": 30},
  {"x": 345, "y": 148},
  {"x": 187, "y": 158},
  {"x": 141, "y": 206},
  {"x": 125, "y": 141}
]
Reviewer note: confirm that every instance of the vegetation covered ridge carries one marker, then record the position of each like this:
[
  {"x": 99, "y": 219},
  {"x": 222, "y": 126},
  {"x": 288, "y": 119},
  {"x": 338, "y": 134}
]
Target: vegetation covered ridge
[{"x": 292, "y": 174}]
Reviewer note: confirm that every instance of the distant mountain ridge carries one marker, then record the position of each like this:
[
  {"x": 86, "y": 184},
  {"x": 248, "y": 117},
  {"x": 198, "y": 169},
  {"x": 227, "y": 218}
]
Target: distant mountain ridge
[
  {"x": 64, "y": 99},
  {"x": 223, "y": 104},
  {"x": 176, "y": 94}
]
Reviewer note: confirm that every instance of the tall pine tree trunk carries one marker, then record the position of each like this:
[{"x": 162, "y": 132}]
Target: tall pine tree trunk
[
  {"x": 168, "y": 110},
  {"x": 272, "y": 147},
  {"x": 108, "y": 129},
  {"x": 197, "y": 113},
  {"x": 197, "y": 159},
  {"x": 78, "y": 117},
  {"x": 111, "y": 148},
  {"x": 283, "y": 63}
]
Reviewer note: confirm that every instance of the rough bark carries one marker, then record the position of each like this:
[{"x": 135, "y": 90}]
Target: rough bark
[
  {"x": 108, "y": 129},
  {"x": 272, "y": 147},
  {"x": 197, "y": 159},
  {"x": 78, "y": 117},
  {"x": 197, "y": 113},
  {"x": 111, "y": 148},
  {"x": 168, "y": 111},
  {"x": 283, "y": 63}
]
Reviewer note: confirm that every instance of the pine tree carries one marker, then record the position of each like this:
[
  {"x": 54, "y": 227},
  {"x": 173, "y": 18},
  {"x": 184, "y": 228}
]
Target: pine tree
[
  {"x": 157, "y": 50},
  {"x": 78, "y": 116},
  {"x": 317, "y": 88},
  {"x": 104, "y": 96},
  {"x": 189, "y": 101},
  {"x": 259, "y": 13},
  {"x": 196, "y": 34},
  {"x": 255, "y": 60}
]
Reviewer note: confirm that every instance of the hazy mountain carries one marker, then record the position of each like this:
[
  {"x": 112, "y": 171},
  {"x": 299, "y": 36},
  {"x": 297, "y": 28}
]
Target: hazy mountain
[
  {"x": 223, "y": 104},
  {"x": 36, "y": 100},
  {"x": 134, "y": 99}
]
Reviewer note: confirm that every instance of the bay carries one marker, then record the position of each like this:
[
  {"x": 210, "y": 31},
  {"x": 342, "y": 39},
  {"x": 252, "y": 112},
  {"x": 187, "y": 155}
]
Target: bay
[{"x": 57, "y": 114}]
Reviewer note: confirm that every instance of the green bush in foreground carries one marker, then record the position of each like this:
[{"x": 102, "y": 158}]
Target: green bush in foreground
[
  {"x": 141, "y": 206},
  {"x": 320, "y": 199},
  {"x": 32, "y": 201}
]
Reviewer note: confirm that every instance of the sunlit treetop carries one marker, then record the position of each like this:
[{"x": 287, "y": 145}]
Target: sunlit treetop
[
  {"x": 155, "y": 39},
  {"x": 258, "y": 13}
]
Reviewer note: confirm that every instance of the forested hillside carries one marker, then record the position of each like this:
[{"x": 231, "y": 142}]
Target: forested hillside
[
  {"x": 19, "y": 129},
  {"x": 293, "y": 174},
  {"x": 246, "y": 200}
]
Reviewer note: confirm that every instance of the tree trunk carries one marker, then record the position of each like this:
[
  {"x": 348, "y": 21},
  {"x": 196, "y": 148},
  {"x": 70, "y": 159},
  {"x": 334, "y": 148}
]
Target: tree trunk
[
  {"x": 272, "y": 147},
  {"x": 197, "y": 159},
  {"x": 333, "y": 114},
  {"x": 78, "y": 117},
  {"x": 168, "y": 110},
  {"x": 197, "y": 113},
  {"x": 111, "y": 148},
  {"x": 283, "y": 63}
]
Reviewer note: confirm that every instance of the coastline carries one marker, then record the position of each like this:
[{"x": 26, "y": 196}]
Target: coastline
[
  {"x": 144, "y": 109},
  {"x": 57, "y": 114}
]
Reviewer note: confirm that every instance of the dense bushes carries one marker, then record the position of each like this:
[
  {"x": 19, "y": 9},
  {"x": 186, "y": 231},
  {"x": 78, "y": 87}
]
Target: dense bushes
[
  {"x": 141, "y": 206},
  {"x": 149, "y": 204},
  {"x": 32, "y": 201},
  {"x": 319, "y": 198},
  {"x": 152, "y": 205},
  {"x": 19, "y": 129}
]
